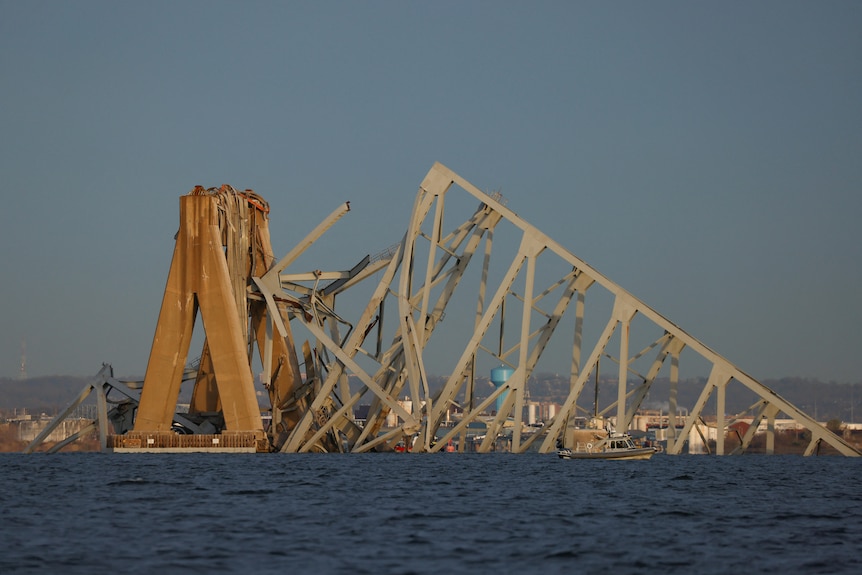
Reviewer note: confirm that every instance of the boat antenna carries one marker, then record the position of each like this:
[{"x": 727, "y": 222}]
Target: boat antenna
[{"x": 596, "y": 397}]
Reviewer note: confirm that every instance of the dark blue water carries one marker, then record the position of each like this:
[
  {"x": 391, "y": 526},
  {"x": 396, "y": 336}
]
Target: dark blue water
[{"x": 438, "y": 513}]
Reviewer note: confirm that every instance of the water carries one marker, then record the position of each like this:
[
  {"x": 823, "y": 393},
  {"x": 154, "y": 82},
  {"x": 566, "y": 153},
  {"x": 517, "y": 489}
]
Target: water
[{"x": 428, "y": 513}]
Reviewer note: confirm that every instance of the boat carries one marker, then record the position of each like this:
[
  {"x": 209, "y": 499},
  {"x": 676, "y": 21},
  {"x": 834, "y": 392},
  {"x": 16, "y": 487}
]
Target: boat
[
  {"x": 614, "y": 446},
  {"x": 607, "y": 445}
]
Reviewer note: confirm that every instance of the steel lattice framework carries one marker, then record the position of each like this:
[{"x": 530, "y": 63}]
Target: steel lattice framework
[{"x": 492, "y": 287}]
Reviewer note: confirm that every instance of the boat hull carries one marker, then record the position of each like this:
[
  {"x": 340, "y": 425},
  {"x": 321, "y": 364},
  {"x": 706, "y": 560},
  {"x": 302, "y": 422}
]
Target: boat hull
[{"x": 625, "y": 454}]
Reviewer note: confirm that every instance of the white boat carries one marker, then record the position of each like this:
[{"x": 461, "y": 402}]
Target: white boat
[{"x": 615, "y": 446}]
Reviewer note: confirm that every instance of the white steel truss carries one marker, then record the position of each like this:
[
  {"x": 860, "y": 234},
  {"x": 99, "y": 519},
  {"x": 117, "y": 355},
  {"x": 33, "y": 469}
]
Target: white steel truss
[
  {"x": 491, "y": 291},
  {"x": 421, "y": 277}
]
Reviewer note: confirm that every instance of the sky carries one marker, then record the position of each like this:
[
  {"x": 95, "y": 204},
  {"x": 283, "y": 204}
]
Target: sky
[{"x": 704, "y": 156}]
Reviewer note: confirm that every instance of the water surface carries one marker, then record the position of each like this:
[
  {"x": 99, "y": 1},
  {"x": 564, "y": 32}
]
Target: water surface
[{"x": 427, "y": 513}]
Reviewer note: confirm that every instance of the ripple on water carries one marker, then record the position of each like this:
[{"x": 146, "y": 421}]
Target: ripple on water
[{"x": 376, "y": 513}]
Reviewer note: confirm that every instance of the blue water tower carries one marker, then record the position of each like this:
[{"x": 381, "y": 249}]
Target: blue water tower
[{"x": 499, "y": 376}]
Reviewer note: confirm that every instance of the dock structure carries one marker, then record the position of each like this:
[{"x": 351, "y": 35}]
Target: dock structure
[{"x": 515, "y": 299}]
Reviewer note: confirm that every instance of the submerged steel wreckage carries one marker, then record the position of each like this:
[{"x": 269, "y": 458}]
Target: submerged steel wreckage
[{"x": 252, "y": 305}]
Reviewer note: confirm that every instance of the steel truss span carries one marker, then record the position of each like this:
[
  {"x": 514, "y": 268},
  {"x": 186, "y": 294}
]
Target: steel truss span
[{"x": 486, "y": 284}]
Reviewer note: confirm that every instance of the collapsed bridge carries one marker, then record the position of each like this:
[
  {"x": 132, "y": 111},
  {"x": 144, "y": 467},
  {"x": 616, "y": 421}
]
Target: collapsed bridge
[{"x": 515, "y": 297}]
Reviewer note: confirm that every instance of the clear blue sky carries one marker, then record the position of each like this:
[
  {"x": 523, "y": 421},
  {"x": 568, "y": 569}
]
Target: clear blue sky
[{"x": 705, "y": 156}]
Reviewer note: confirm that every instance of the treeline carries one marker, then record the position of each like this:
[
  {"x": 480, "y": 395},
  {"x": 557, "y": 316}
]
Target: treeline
[
  {"x": 824, "y": 401},
  {"x": 37, "y": 395}
]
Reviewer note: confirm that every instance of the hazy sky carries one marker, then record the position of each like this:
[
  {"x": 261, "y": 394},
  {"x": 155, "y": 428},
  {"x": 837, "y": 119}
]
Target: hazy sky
[{"x": 705, "y": 156}]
